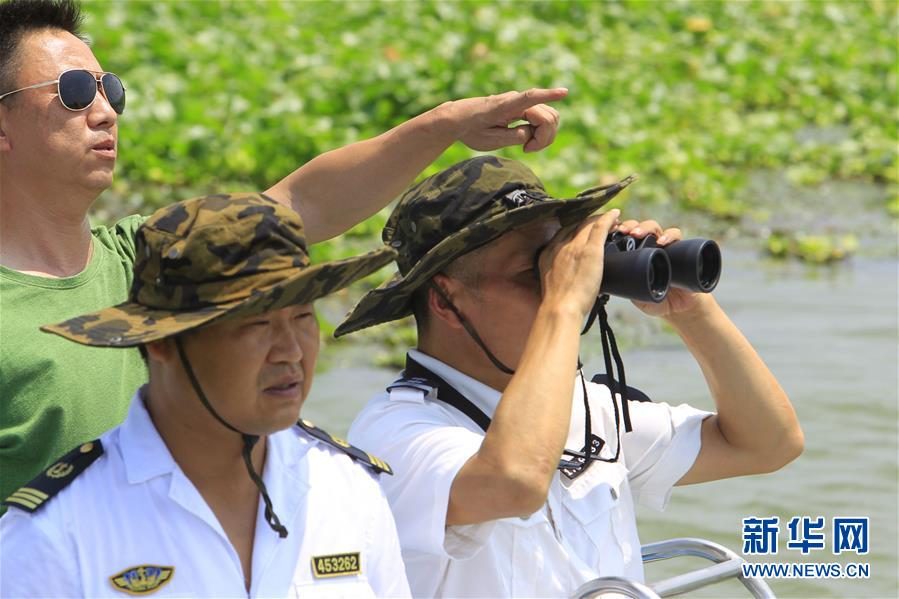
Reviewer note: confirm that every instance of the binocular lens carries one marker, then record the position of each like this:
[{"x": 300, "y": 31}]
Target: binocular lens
[
  {"x": 643, "y": 271},
  {"x": 659, "y": 276},
  {"x": 642, "y": 274},
  {"x": 709, "y": 266}
]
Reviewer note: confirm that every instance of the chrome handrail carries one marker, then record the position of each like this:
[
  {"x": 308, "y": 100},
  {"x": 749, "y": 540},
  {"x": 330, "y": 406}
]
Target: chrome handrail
[
  {"x": 614, "y": 584},
  {"x": 727, "y": 565}
]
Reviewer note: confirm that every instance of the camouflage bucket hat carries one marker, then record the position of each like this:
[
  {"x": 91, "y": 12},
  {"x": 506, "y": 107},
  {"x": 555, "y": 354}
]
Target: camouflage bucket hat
[
  {"x": 452, "y": 213},
  {"x": 213, "y": 258}
]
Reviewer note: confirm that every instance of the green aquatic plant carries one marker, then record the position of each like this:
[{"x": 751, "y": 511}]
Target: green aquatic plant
[
  {"x": 818, "y": 249},
  {"x": 234, "y": 95},
  {"x": 693, "y": 96}
]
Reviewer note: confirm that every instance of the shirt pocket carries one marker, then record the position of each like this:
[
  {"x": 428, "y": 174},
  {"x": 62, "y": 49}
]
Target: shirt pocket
[
  {"x": 531, "y": 551},
  {"x": 590, "y": 505}
]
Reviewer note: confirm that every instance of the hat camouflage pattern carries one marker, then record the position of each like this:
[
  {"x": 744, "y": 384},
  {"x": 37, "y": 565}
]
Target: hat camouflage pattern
[
  {"x": 452, "y": 213},
  {"x": 214, "y": 258}
]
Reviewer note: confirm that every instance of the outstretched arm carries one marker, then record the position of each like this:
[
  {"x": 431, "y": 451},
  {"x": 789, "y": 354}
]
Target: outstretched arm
[
  {"x": 755, "y": 429},
  {"x": 345, "y": 186}
]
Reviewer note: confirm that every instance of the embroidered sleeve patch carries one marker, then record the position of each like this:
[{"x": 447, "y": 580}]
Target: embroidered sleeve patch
[
  {"x": 339, "y": 564},
  {"x": 142, "y": 580}
]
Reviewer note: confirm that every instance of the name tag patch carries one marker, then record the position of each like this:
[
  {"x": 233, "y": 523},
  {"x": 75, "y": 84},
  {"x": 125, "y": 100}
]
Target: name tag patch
[{"x": 338, "y": 564}]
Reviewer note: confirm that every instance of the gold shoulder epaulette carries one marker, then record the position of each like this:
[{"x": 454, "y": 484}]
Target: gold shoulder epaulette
[
  {"x": 365, "y": 458},
  {"x": 55, "y": 478}
]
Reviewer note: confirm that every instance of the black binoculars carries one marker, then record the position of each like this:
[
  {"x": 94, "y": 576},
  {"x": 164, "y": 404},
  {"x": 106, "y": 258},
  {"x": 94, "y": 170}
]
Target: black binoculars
[{"x": 639, "y": 269}]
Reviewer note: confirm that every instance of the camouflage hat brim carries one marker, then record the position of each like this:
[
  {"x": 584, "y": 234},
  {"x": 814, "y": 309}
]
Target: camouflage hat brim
[
  {"x": 129, "y": 324},
  {"x": 392, "y": 300}
]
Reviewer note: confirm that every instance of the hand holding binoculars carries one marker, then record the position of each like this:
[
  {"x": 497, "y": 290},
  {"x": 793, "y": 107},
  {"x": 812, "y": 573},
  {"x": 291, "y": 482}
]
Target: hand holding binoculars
[{"x": 640, "y": 269}]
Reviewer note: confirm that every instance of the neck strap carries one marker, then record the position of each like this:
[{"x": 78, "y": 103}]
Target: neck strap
[
  {"x": 447, "y": 393},
  {"x": 607, "y": 337},
  {"x": 451, "y": 396}
]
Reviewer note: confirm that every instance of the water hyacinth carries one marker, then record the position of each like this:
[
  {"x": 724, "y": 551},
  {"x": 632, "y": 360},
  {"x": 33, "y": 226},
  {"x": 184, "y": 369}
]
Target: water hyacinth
[{"x": 231, "y": 96}]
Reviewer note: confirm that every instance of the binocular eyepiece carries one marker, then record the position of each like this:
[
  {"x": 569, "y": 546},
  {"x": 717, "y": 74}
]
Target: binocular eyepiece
[{"x": 639, "y": 269}]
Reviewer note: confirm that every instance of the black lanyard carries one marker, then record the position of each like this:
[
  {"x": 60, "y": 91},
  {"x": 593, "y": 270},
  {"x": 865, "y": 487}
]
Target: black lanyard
[{"x": 419, "y": 375}]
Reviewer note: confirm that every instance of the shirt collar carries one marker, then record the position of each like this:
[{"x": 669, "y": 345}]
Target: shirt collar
[
  {"x": 484, "y": 397},
  {"x": 146, "y": 455},
  {"x": 143, "y": 451}
]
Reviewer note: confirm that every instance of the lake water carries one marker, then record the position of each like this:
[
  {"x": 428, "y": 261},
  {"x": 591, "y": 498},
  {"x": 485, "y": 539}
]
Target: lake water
[{"x": 830, "y": 336}]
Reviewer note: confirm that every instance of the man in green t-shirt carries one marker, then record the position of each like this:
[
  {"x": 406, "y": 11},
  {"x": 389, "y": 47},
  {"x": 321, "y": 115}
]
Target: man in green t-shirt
[{"x": 58, "y": 144}]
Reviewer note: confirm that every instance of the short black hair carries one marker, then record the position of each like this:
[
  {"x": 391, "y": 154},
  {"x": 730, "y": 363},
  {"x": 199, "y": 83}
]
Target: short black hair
[{"x": 21, "y": 17}]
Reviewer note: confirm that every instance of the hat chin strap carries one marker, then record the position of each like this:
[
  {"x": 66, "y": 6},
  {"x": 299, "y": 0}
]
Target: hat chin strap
[
  {"x": 249, "y": 441},
  {"x": 471, "y": 332}
]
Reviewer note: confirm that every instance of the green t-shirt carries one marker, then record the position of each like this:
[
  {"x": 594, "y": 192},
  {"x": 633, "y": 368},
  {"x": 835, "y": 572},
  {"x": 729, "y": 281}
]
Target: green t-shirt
[{"x": 55, "y": 394}]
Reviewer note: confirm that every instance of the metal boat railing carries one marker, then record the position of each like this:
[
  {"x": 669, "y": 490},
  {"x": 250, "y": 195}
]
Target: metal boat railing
[{"x": 727, "y": 565}]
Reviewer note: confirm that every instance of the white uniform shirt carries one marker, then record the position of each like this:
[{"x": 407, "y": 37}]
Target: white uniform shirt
[
  {"x": 587, "y": 527},
  {"x": 135, "y": 507}
]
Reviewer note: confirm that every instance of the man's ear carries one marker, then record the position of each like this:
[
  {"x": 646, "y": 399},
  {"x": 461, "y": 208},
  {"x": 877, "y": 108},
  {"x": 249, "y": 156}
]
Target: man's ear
[
  {"x": 5, "y": 145},
  {"x": 163, "y": 350},
  {"x": 439, "y": 303}
]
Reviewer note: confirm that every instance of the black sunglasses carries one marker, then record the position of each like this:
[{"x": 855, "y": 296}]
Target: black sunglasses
[{"x": 77, "y": 89}]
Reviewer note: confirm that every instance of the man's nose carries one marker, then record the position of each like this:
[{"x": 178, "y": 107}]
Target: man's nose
[
  {"x": 287, "y": 346},
  {"x": 101, "y": 114}
]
